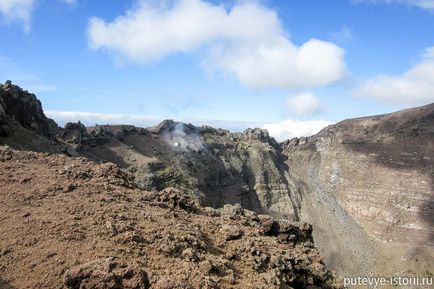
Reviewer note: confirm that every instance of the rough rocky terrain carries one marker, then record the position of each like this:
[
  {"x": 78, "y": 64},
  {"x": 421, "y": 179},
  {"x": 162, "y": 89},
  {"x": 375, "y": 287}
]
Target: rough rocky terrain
[
  {"x": 366, "y": 185},
  {"x": 23, "y": 124},
  {"x": 70, "y": 223},
  {"x": 369, "y": 186},
  {"x": 213, "y": 165}
]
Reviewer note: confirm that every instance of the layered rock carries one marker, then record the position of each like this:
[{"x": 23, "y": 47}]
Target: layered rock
[
  {"x": 214, "y": 165},
  {"x": 369, "y": 187},
  {"x": 365, "y": 184}
]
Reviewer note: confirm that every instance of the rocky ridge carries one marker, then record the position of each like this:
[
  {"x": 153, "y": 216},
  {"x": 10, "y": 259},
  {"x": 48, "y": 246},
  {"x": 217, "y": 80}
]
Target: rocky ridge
[
  {"x": 23, "y": 124},
  {"x": 20, "y": 106},
  {"x": 213, "y": 165},
  {"x": 68, "y": 222},
  {"x": 365, "y": 184},
  {"x": 373, "y": 179}
]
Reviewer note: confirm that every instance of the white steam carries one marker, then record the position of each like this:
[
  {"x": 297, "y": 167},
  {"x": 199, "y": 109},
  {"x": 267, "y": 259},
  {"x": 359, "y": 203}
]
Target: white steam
[{"x": 183, "y": 138}]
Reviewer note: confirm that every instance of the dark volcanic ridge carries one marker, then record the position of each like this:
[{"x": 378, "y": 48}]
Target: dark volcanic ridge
[{"x": 213, "y": 165}]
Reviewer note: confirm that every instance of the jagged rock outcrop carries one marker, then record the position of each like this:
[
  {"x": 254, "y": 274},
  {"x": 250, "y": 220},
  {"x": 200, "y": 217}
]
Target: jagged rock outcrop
[
  {"x": 23, "y": 123},
  {"x": 369, "y": 186},
  {"x": 24, "y": 108},
  {"x": 71, "y": 222},
  {"x": 105, "y": 274},
  {"x": 365, "y": 184},
  {"x": 213, "y": 165}
]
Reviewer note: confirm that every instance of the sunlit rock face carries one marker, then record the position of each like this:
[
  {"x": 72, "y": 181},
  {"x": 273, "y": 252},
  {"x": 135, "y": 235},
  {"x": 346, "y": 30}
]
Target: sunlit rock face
[
  {"x": 365, "y": 184},
  {"x": 214, "y": 165},
  {"x": 372, "y": 181}
]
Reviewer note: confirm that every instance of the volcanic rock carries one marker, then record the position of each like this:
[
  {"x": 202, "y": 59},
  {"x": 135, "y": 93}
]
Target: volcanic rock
[
  {"x": 105, "y": 233},
  {"x": 370, "y": 181}
]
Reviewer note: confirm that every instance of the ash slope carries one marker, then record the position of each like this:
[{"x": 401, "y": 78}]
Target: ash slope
[
  {"x": 369, "y": 186},
  {"x": 70, "y": 222}
]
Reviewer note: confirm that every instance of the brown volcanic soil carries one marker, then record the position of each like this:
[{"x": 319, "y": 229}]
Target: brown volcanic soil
[{"x": 70, "y": 222}]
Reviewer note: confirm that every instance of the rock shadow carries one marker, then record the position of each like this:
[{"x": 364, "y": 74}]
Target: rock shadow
[{"x": 5, "y": 285}]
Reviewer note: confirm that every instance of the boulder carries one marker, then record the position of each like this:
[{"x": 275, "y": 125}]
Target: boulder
[{"x": 106, "y": 274}]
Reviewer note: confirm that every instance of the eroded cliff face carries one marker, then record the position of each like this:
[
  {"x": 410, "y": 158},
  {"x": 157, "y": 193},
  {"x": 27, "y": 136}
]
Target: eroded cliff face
[
  {"x": 365, "y": 184},
  {"x": 23, "y": 124},
  {"x": 213, "y": 165},
  {"x": 369, "y": 189}
]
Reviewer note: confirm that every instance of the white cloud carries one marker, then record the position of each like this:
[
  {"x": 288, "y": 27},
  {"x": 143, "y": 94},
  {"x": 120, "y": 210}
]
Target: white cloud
[
  {"x": 344, "y": 35},
  {"x": 304, "y": 104},
  {"x": 21, "y": 11},
  {"x": 281, "y": 131},
  {"x": 288, "y": 129},
  {"x": 414, "y": 87},
  {"x": 91, "y": 118},
  {"x": 246, "y": 41},
  {"x": 17, "y": 11},
  {"x": 278, "y": 63},
  {"x": 424, "y": 4}
]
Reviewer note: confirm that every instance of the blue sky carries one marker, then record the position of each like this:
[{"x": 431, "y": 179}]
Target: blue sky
[{"x": 289, "y": 66}]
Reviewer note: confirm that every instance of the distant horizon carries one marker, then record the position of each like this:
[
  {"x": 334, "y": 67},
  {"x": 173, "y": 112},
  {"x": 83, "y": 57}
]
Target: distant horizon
[
  {"x": 89, "y": 119},
  {"x": 198, "y": 123},
  {"x": 291, "y": 67}
]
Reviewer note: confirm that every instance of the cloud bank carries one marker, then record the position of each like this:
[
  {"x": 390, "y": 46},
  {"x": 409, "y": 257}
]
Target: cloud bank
[
  {"x": 246, "y": 41},
  {"x": 288, "y": 129},
  {"x": 280, "y": 131},
  {"x": 91, "y": 118},
  {"x": 414, "y": 87}
]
